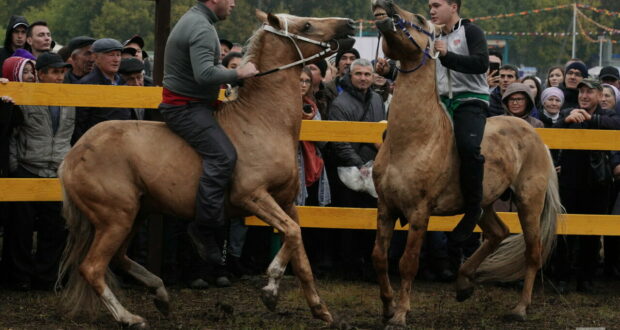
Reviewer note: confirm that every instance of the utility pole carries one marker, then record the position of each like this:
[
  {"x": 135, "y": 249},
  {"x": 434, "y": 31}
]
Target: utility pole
[
  {"x": 574, "y": 30},
  {"x": 601, "y": 39},
  {"x": 162, "y": 30}
]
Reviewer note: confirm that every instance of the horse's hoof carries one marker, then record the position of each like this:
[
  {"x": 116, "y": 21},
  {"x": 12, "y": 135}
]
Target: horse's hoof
[
  {"x": 515, "y": 317},
  {"x": 139, "y": 325},
  {"x": 270, "y": 300},
  {"x": 464, "y": 294},
  {"x": 162, "y": 306},
  {"x": 396, "y": 323}
]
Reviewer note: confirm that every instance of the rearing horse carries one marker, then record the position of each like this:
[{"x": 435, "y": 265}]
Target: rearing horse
[
  {"x": 416, "y": 175},
  {"x": 120, "y": 168}
]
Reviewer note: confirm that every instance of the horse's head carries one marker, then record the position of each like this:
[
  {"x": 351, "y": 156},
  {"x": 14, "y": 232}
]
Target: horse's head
[
  {"x": 311, "y": 37},
  {"x": 407, "y": 36}
]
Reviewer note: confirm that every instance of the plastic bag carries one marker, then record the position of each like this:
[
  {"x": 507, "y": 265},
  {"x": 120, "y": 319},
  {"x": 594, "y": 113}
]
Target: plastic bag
[{"x": 353, "y": 178}]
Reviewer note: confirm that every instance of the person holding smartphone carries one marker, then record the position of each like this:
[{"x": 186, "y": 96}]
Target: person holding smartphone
[{"x": 495, "y": 62}]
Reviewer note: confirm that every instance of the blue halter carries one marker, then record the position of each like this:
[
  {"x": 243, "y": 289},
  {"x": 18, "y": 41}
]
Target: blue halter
[{"x": 402, "y": 24}]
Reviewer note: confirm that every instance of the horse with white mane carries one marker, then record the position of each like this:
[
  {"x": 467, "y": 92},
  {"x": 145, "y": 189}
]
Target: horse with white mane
[
  {"x": 120, "y": 169},
  {"x": 416, "y": 175}
]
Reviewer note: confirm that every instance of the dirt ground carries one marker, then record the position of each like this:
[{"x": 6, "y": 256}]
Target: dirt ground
[{"x": 239, "y": 307}]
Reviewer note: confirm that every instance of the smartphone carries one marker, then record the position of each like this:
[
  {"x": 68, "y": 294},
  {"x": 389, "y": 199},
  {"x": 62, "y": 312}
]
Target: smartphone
[{"x": 494, "y": 66}]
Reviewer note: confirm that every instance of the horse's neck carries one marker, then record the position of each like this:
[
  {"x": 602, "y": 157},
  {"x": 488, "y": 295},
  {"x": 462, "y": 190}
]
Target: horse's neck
[
  {"x": 415, "y": 105},
  {"x": 274, "y": 97}
]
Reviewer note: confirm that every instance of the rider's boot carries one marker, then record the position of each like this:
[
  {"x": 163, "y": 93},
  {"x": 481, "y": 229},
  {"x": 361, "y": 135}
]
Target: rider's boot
[{"x": 204, "y": 239}]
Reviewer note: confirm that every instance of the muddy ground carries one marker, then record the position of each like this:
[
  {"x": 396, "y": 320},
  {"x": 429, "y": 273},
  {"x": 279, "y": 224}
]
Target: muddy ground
[{"x": 239, "y": 307}]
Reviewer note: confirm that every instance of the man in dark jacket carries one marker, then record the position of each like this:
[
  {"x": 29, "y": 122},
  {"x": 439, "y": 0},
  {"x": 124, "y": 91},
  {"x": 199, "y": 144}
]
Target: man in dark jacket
[
  {"x": 333, "y": 88},
  {"x": 15, "y": 37},
  {"x": 357, "y": 102},
  {"x": 82, "y": 57},
  {"x": 573, "y": 75},
  {"x": 105, "y": 72},
  {"x": 192, "y": 79},
  {"x": 581, "y": 190}
]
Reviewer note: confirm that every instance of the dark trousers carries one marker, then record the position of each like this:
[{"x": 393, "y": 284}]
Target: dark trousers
[
  {"x": 195, "y": 123},
  {"x": 26, "y": 218},
  {"x": 469, "y": 122}
]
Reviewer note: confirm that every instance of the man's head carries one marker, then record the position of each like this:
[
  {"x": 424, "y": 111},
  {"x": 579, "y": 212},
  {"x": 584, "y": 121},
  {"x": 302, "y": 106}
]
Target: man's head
[
  {"x": 225, "y": 47},
  {"x": 361, "y": 74},
  {"x": 131, "y": 71},
  {"x": 590, "y": 91},
  {"x": 18, "y": 35},
  {"x": 574, "y": 74},
  {"x": 51, "y": 68},
  {"x": 107, "y": 55},
  {"x": 610, "y": 75},
  {"x": 82, "y": 55},
  {"x": 495, "y": 57},
  {"x": 221, "y": 8},
  {"x": 444, "y": 11},
  {"x": 137, "y": 44},
  {"x": 39, "y": 38},
  {"x": 344, "y": 59},
  {"x": 508, "y": 74}
]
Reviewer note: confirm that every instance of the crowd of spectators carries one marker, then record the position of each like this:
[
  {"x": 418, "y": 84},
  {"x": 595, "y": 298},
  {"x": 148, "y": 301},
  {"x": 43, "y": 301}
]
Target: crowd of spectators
[{"x": 346, "y": 88}]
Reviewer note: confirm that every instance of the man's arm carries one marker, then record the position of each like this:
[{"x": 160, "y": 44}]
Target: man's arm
[
  {"x": 611, "y": 121},
  {"x": 477, "y": 61},
  {"x": 202, "y": 55}
]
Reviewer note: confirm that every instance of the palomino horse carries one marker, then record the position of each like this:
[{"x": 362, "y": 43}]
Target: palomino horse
[
  {"x": 416, "y": 175},
  {"x": 119, "y": 168}
]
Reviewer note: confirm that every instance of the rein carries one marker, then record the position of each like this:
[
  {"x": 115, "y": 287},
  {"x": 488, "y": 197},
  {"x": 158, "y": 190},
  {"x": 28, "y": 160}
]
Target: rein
[
  {"x": 284, "y": 33},
  {"x": 402, "y": 25}
]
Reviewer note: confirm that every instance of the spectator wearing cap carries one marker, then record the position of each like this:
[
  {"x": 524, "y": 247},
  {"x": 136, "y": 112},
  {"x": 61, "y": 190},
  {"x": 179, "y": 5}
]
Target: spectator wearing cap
[
  {"x": 39, "y": 38},
  {"x": 38, "y": 146},
  {"x": 225, "y": 47},
  {"x": 105, "y": 72},
  {"x": 132, "y": 74},
  {"x": 610, "y": 75},
  {"x": 82, "y": 58},
  {"x": 573, "y": 75},
  {"x": 137, "y": 43},
  {"x": 15, "y": 37},
  {"x": 581, "y": 190},
  {"x": 344, "y": 58}
]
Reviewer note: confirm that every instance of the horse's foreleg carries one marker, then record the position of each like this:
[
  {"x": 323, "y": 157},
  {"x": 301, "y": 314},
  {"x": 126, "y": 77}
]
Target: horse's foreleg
[
  {"x": 529, "y": 216},
  {"x": 408, "y": 265},
  {"x": 385, "y": 228},
  {"x": 495, "y": 231},
  {"x": 108, "y": 238},
  {"x": 303, "y": 271},
  {"x": 266, "y": 208}
]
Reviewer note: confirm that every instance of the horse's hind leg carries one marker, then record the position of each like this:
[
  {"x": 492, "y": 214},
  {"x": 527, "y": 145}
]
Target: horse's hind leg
[
  {"x": 495, "y": 231},
  {"x": 385, "y": 228},
  {"x": 150, "y": 280},
  {"x": 408, "y": 265},
  {"x": 108, "y": 238},
  {"x": 266, "y": 208},
  {"x": 529, "y": 209}
]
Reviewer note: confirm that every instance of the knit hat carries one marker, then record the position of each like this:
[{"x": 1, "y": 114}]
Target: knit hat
[
  {"x": 552, "y": 91},
  {"x": 13, "y": 68},
  {"x": 348, "y": 51},
  {"x": 578, "y": 66}
]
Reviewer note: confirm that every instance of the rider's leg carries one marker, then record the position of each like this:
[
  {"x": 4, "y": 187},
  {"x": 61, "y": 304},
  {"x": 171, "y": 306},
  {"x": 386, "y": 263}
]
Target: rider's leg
[
  {"x": 469, "y": 122},
  {"x": 195, "y": 123}
]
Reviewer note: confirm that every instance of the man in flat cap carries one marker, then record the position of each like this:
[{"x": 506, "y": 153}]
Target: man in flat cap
[
  {"x": 82, "y": 58},
  {"x": 610, "y": 75},
  {"x": 38, "y": 146},
  {"x": 105, "y": 72}
]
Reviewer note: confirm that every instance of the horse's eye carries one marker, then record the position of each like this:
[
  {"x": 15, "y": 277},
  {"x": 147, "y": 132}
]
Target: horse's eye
[{"x": 307, "y": 26}]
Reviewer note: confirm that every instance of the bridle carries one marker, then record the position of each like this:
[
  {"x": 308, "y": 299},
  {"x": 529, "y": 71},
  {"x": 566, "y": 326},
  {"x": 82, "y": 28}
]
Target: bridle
[
  {"x": 327, "y": 48},
  {"x": 427, "y": 51}
]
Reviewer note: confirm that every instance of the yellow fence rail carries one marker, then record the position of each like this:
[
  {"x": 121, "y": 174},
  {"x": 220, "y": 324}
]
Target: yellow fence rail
[{"x": 316, "y": 217}]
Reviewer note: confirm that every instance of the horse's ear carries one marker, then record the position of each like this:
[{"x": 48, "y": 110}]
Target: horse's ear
[
  {"x": 274, "y": 21},
  {"x": 261, "y": 15}
]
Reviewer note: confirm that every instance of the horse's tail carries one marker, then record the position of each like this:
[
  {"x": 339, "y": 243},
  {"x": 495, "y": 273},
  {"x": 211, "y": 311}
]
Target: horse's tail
[
  {"x": 507, "y": 263},
  {"x": 77, "y": 295}
]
